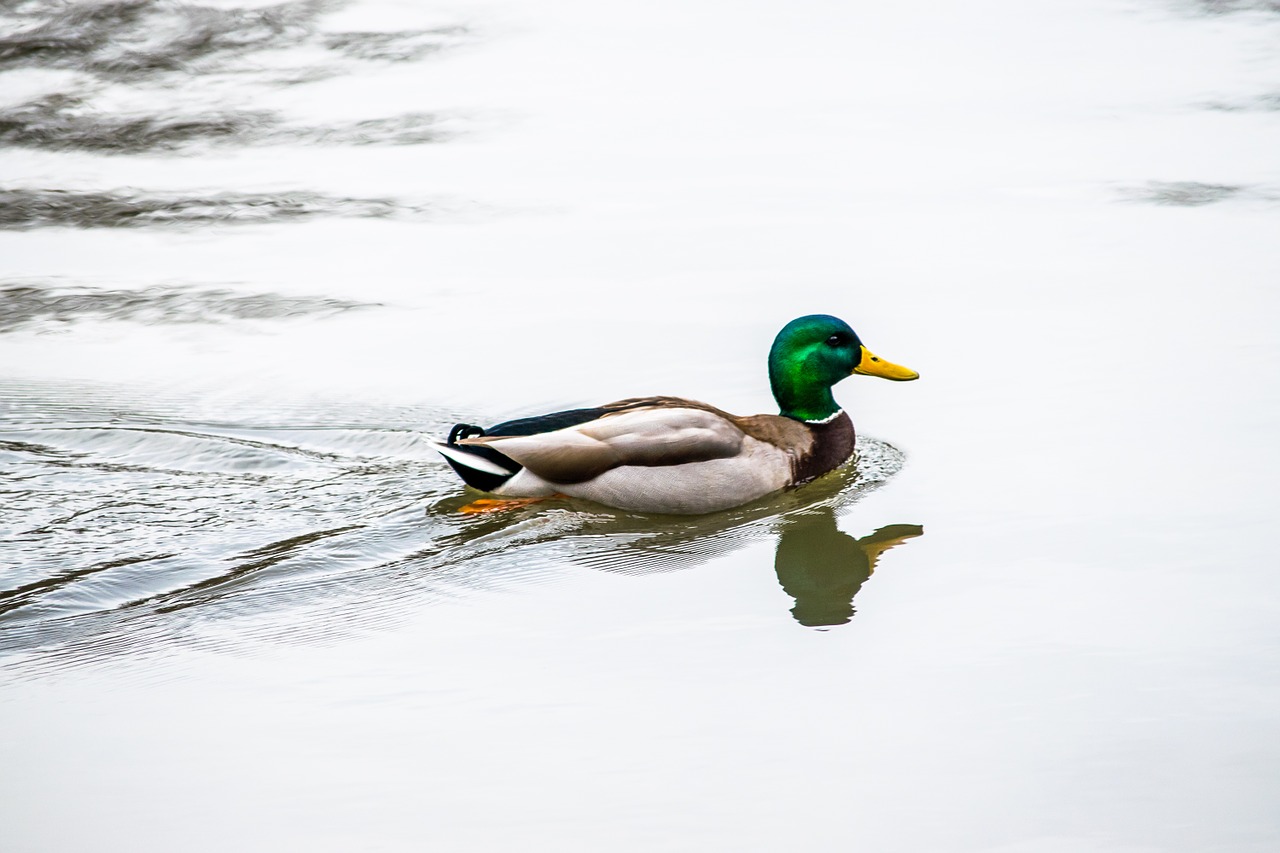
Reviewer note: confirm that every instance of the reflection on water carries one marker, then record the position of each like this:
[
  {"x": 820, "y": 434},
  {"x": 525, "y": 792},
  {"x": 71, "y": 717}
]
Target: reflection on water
[
  {"x": 816, "y": 564},
  {"x": 1184, "y": 193},
  {"x": 179, "y": 57},
  {"x": 823, "y": 568},
  {"x": 22, "y": 209},
  {"x": 135, "y": 39},
  {"x": 1226, "y": 7},
  {"x": 129, "y": 37},
  {"x": 1263, "y": 103},
  {"x": 152, "y": 76},
  {"x": 59, "y": 122},
  {"x": 126, "y": 530},
  {"x": 31, "y": 303}
]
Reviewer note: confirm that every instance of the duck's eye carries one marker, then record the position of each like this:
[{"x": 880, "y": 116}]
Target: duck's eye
[{"x": 835, "y": 340}]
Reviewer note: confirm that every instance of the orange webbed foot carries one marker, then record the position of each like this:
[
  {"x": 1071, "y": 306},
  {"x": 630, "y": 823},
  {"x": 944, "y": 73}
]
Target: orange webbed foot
[{"x": 497, "y": 504}]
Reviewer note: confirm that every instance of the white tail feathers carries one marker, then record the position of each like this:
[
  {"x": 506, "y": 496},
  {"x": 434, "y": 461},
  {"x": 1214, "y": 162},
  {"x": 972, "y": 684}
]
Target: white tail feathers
[{"x": 469, "y": 460}]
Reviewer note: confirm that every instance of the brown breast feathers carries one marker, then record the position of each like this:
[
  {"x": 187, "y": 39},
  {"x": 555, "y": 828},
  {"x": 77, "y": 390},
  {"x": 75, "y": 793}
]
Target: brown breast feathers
[
  {"x": 815, "y": 448},
  {"x": 832, "y": 446}
]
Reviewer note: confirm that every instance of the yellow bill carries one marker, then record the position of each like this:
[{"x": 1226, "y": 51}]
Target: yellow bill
[{"x": 874, "y": 365}]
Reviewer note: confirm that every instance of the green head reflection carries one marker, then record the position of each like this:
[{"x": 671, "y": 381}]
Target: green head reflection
[{"x": 823, "y": 568}]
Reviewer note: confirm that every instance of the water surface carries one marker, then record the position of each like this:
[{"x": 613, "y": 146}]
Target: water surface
[{"x": 256, "y": 255}]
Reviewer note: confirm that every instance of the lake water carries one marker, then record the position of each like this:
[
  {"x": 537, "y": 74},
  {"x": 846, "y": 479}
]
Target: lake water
[{"x": 254, "y": 256}]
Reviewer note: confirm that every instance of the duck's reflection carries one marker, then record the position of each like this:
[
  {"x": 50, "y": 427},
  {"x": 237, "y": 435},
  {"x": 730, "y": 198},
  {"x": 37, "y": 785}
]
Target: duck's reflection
[
  {"x": 817, "y": 564},
  {"x": 823, "y": 568}
]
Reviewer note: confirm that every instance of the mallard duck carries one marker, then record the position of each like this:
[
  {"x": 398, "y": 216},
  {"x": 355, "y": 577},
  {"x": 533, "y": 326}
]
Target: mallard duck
[{"x": 678, "y": 456}]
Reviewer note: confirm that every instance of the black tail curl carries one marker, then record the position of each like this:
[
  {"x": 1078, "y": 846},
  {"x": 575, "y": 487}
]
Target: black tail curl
[
  {"x": 485, "y": 481},
  {"x": 461, "y": 431}
]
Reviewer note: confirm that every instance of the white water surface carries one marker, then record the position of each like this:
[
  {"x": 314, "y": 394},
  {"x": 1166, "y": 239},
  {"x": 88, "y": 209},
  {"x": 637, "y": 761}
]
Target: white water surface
[{"x": 250, "y": 618}]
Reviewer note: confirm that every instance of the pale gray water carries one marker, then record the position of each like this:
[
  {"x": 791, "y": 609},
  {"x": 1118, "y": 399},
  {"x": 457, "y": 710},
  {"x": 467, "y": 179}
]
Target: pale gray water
[{"x": 253, "y": 256}]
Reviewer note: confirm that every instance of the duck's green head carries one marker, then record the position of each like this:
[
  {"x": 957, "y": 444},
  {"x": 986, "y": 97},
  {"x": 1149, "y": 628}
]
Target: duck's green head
[{"x": 815, "y": 352}]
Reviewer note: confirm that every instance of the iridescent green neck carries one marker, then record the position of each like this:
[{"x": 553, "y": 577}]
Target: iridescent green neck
[
  {"x": 803, "y": 401},
  {"x": 799, "y": 394},
  {"x": 808, "y": 356}
]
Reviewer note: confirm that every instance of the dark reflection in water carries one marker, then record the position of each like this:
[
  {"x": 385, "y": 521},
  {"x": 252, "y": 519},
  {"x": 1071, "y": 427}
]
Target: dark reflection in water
[
  {"x": 823, "y": 568},
  {"x": 60, "y": 123},
  {"x": 159, "y": 76},
  {"x": 22, "y": 209},
  {"x": 1263, "y": 103},
  {"x": 819, "y": 566},
  {"x": 28, "y": 304},
  {"x": 404, "y": 46},
  {"x": 130, "y": 39},
  {"x": 1184, "y": 193},
  {"x": 158, "y": 47},
  {"x": 57, "y": 123},
  {"x": 1226, "y": 7}
]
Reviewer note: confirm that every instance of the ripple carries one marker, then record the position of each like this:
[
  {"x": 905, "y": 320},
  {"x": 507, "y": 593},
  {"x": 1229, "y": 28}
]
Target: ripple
[
  {"x": 129, "y": 39},
  {"x": 31, "y": 303},
  {"x": 132, "y": 531},
  {"x": 1186, "y": 193},
  {"x": 24, "y": 209},
  {"x": 61, "y": 123},
  {"x": 403, "y": 46},
  {"x": 1228, "y": 7},
  {"x": 1197, "y": 193},
  {"x": 55, "y": 123},
  {"x": 1269, "y": 102},
  {"x": 151, "y": 75}
]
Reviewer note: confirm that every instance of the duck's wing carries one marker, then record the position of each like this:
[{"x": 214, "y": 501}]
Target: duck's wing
[{"x": 651, "y": 436}]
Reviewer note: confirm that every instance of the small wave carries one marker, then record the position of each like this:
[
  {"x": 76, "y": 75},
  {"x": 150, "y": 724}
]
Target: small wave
[
  {"x": 61, "y": 123},
  {"x": 129, "y": 39},
  {"x": 56, "y": 123},
  {"x": 30, "y": 303},
  {"x": 179, "y": 59},
  {"x": 167, "y": 508},
  {"x": 403, "y": 46},
  {"x": 1184, "y": 193},
  {"x": 132, "y": 39},
  {"x": 23, "y": 209},
  {"x": 1228, "y": 7},
  {"x": 161, "y": 450},
  {"x": 1269, "y": 102}
]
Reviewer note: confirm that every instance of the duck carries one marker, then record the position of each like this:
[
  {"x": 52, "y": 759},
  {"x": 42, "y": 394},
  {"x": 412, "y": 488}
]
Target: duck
[{"x": 675, "y": 456}]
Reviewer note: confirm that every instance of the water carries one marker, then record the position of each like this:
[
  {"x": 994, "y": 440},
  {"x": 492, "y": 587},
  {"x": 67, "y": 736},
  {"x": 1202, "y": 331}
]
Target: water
[
  {"x": 117, "y": 524},
  {"x": 254, "y": 256}
]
